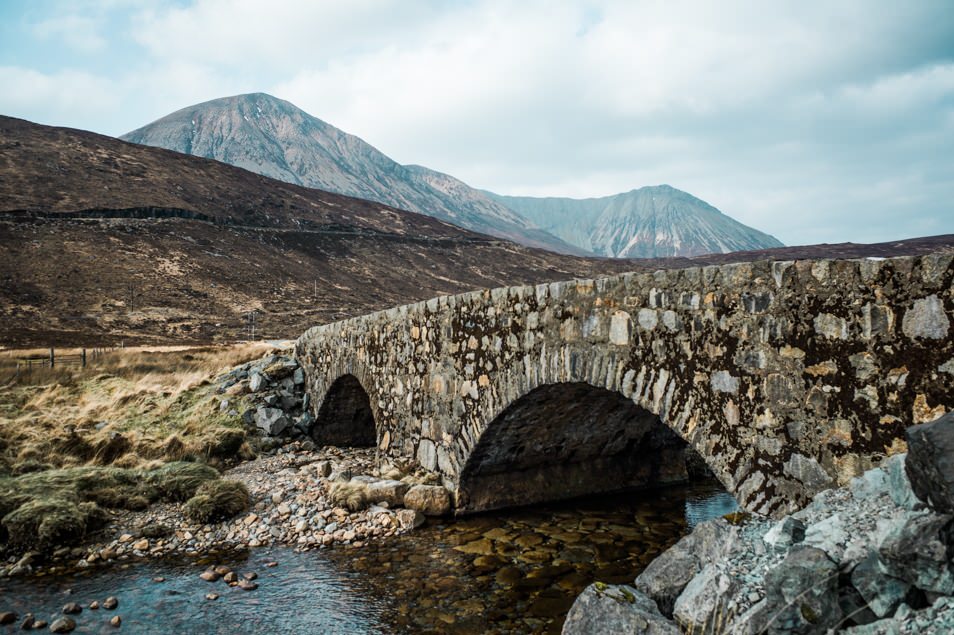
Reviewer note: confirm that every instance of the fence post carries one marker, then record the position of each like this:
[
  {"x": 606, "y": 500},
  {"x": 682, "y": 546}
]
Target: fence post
[
  {"x": 52, "y": 358},
  {"x": 84, "y": 358}
]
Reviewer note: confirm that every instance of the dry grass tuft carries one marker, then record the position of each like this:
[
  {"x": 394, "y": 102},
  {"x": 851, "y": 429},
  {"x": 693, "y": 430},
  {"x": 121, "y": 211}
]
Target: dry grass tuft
[
  {"x": 217, "y": 500},
  {"x": 352, "y": 495}
]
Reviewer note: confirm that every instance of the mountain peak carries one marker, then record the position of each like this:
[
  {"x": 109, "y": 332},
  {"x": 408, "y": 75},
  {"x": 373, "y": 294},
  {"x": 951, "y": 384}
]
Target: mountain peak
[{"x": 273, "y": 137}]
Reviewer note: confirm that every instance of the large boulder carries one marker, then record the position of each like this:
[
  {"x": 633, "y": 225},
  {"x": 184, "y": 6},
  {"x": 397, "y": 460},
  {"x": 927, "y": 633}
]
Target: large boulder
[
  {"x": 899, "y": 485},
  {"x": 271, "y": 421},
  {"x": 801, "y": 593},
  {"x": 704, "y": 605},
  {"x": 603, "y": 608},
  {"x": 389, "y": 491},
  {"x": 666, "y": 576},
  {"x": 430, "y": 500},
  {"x": 930, "y": 462},
  {"x": 882, "y": 593},
  {"x": 914, "y": 548}
]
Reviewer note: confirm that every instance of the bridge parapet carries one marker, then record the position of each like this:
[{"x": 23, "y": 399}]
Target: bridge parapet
[{"x": 786, "y": 377}]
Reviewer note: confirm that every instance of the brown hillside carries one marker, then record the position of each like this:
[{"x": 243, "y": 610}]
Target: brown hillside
[{"x": 297, "y": 256}]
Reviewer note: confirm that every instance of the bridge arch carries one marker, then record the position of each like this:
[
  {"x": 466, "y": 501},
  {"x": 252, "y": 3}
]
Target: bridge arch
[
  {"x": 564, "y": 440},
  {"x": 786, "y": 377},
  {"x": 345, "y": 416}
]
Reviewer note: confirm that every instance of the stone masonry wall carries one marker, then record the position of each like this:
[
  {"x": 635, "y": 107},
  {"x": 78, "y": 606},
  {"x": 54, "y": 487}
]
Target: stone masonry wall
[{"x": 787, "y": 377}]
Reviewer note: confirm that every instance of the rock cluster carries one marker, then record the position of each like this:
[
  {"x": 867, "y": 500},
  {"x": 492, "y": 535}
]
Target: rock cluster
[
  {"x": 274, "y": 388},
  {"x": 871, "y": 558},
  {"x": 291, "y": 505}
]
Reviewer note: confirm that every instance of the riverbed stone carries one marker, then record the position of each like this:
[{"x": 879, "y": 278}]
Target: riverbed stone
[
  {"x": 785, "y": 533},
  {"x": 62, "y": 625},
  {"x": 666, "y": 576},
  {"x": 409, "y": 518},
  {"x": 389, "y": 491},
  {"x": 430, "y": 500},
  {"x": 914, "y": 548},
  {"x": 603, "y": 608},
  {"x": 7, "y": 617},
  {"x": 702, "y": 604},
  {"x": 930, "y": 462},
  {"x": 882, "y": 593},
  {"x": 802, "y": 590}
]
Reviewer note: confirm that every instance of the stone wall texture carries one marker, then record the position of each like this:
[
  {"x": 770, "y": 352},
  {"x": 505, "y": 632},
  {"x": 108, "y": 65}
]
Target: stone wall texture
[{"x": 786, "y": 377}]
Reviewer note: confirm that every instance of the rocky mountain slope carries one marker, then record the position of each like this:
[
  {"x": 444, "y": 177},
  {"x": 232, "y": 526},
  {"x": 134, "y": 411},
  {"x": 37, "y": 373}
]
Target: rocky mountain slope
[
  {"x": 272, "y": 137},
  {"x": 650, "y": 222},
  {"x": 102, "y": 240}
]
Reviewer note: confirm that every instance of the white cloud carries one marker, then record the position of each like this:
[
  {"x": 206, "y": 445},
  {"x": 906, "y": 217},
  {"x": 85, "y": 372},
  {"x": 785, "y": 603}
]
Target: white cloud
[
  {"x": 79, "y": 33},
  {"x": 799, "y": 118}
]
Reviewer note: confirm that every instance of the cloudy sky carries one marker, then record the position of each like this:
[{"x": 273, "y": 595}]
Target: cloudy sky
[{"x": 815, "y": 121}]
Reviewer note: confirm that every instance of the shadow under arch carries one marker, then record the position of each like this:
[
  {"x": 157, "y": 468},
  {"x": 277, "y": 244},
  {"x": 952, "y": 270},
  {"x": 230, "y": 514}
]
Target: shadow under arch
[
  {"x": 566, "y": 440},
  {"x": 345, "y": 417}
]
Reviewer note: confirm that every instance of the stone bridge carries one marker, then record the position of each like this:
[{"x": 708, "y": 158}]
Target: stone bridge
[{"x": 784, "y": 378}]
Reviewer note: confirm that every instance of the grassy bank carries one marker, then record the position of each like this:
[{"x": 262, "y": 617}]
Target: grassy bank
[{"x": 134, "y": 427}]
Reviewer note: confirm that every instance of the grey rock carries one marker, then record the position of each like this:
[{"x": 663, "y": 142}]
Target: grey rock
[
  {"x": 930, "y": 462},
  {"x": 785, "y": 533},
  {"x": 290, "y": 403},
  {"x": 430, "y": 500},
  {"x": 753, "y": 621},
  {"x": 829, "y": 535},
  {"x": 323, "y": 468},
  {"x": 914, "y": 548},
  {"x": 305, "y": 423},
  {"x": 870, "y": 484},
  {"x": 409, "y": 518},
  {"x": 888, "y": 626},
  {"x": 926, "y": 319},
  {"x": 390, "y": 491},
  {"x": 701, "y": 606},
  {"x": 882, "y": 593},
  {"x": 802, "y": 592},
  {"x": 62, "y": 625},
  {"x": 899, "y": 486},
  {"x": 807, "y": 471},
  {"x": 298, "y": 376},
  {"x": 605, "y": 608},
  {"x": 257, "y": 382},
  {"x": 667, "y": 575},
  {"x": 271, "y": 421}
]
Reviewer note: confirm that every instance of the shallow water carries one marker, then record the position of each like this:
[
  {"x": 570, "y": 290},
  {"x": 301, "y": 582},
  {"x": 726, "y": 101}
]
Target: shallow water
[{"x": 512, "y": 571}]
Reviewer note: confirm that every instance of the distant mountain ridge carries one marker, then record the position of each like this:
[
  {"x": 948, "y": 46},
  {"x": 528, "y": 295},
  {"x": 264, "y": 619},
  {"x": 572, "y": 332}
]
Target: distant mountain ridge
[
  {"x": 650, "y": 222},
  {"x": 274, "y": 138}
]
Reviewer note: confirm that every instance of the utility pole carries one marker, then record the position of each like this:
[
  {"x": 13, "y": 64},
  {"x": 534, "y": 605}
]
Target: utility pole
[{"x": 250, "y": 325}]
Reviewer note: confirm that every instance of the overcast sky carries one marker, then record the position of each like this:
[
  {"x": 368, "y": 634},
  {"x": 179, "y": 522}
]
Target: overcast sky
[{"x": 815, "y": 121}]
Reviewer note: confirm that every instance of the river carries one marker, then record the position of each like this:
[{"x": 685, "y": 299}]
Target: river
[{"x": 513, "y": 571}]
